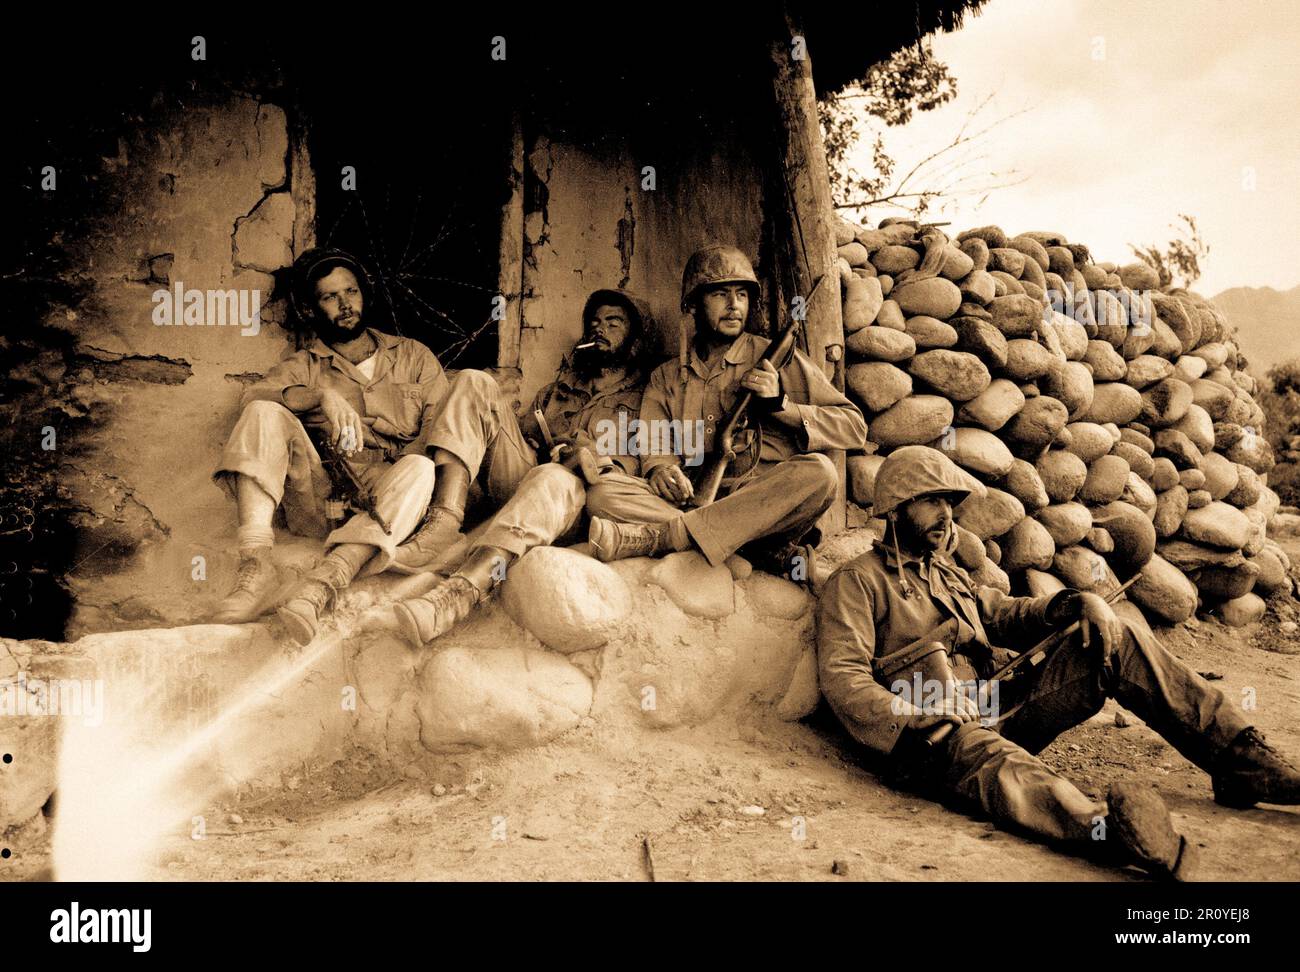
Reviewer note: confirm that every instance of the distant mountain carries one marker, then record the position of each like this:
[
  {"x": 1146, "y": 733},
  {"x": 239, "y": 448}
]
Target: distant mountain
[{"x": 1267, "y": 322}]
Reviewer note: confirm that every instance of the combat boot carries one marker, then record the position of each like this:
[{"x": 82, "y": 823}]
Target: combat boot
[
  {"x": 255, "y": 581},
  {"x": 618, "y": 541},
  {"x": 1251, "y": 771},
  {"x": 440, "y": 529},
  {"x": 311, "y": 598},
  {"x": 430, "y": 616},
  {"x": 1143, "y": 833}
]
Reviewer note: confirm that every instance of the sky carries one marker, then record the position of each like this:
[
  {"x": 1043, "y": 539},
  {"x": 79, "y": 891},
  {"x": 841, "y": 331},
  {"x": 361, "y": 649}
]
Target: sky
[{"x": 1135, "y": 112}]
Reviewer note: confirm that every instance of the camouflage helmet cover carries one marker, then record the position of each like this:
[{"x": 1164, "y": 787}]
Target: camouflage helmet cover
[
  {"x": 717, "y": 264},
  {"x": 917, "y": 470}
]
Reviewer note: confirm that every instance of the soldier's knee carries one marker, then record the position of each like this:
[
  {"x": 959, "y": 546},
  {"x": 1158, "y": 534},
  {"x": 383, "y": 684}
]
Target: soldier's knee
[
  {"x": 823, "y": 478},
  {"x": 415, "y": 469},
  {"x": 474, "y": 382},
  {"x": 264, "y": 409}
]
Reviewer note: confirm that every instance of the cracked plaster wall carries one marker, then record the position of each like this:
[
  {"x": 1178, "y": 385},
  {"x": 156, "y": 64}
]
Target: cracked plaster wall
[{"x": 202, "y": 196}]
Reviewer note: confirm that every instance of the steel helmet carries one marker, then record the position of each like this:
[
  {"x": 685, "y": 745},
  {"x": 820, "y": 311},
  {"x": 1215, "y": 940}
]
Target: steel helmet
[
  {"x": 313, "y": 264},
  {"x": 918, "y": 470},
  {"x": 718, "y": 263}
]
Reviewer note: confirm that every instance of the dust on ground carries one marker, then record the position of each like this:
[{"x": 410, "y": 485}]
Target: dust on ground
[{"x": 735, "y": 800}]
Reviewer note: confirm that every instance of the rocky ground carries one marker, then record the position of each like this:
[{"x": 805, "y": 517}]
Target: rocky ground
[{"x": 732, "y": 800}]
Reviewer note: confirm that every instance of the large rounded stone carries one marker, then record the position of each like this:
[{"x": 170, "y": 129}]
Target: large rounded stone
[
  {"x": 1072, "y": 335},
  {"x": 1106, "y": 478},
  {"x": 935, "y": 297},
  {"x": 877, "y": 384},
  {"x": 1138, "y": 459},
  {"x": 915, "y": 420},
  {"x": 894, "y": 260},
  {"x": 1189, "y": 368},
  {"x": 1220, "y": 475},
  {"x": 982, "y": 339},
  {"x": 1106, "y": 363},
  {"x": 881, "y": 344},
  {"x": 1131, "y": 529},
  {"x": 567, "y": 601},
  {"x": 1016, "y": 315},
  {"x": 1178, "y": 449},
  {"x": 1217, "y": 525},
  {"x": 890, "y": 315},
  {"x": 1084, "y": 570},
  {"x": 1027, "y": 544},
  {"x": 1197, "y": 425},
  {"x": 1138, "y": 493},
  {"x": 700, "y": 590},
  {"x": 1113, "y": 401},
  {"x": 956, "y": 264},
  {"x": 1066, "y": 523},
  {"x": 979, "y": 451},
  {"x": 993, "y": 407},
  {"x": 978, "y": 286},
  {"x": 862, "y": 300},
  {"x": 930, "y": 332},
  {"x": 1147, "y": 369},
  {"x": 1007, "y": 260},
  {"x": 1022, "y": 481},
  {"x": 862, "y": 478},
  {"x": 1027, "y": 360},
  {"x": 991, "y": 515},
  {"x": 1165, "y": 402},
  {"x": 499, "y": 698},
  {"x": 1164, "y": 474},
  {"x": 1063, "y": 474},
  {"x": 1171, "y": 507},
  {"x": 1164, "y": 591},
  {"x": 1212, "y": 397},
  {"x": 1037, "y": 424},
  {"x": 1272, "y": 577},
  {"x": 1242, "y": 611},
  {"x": 1248, "y": 490},
  {"x": 1070, "y": 383},
  {"x": 1226, "y": 583},
  {"x": 1089, "y": 441},
  {"x": 956, "y": 375}
]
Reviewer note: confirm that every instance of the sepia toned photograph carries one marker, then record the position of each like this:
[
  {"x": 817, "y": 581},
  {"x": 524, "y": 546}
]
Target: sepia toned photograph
[{"x": 788, "y": 442}]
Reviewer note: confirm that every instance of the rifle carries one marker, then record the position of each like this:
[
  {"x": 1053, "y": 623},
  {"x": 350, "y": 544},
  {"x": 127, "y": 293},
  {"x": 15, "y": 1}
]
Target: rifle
[
  {"x": 579, "y": 460},
  {"x": 712, "y": 473},
  {"x": 348, "y": 490}
]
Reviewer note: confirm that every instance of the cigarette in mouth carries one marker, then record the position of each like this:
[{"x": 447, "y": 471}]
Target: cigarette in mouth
[{"x": 589, "y": 344}]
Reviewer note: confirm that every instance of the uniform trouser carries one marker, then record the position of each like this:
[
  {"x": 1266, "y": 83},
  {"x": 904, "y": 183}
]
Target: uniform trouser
[
  {"x": 546, "y": 507},
  {"x": 270, "y": 446},
  {"x": 478, "y": 426},
  {"x": 783, "y": 499},
  {"x": 995, "y": 768}
]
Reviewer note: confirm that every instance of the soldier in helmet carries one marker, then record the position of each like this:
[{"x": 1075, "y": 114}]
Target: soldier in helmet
[
  {"x": 372, "y": 395},
  {"x": 879, "y": 613},
  {"x": 597, "y": 392},
  {"x": 786, "y": 483}
]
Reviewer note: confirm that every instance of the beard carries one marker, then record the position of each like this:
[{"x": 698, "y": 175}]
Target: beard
[
  {"x": 924, "y": 538},
  {"x": 331, "y": 333},
  {"x": 591, "y": 362}
]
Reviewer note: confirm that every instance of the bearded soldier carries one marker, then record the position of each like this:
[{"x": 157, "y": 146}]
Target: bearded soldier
[
  {"x": 594, "y": 396},
  {"x": 368, "y": 395},
  {"x": 876, "y": 618},
  {"x": 795, "y": 414}
]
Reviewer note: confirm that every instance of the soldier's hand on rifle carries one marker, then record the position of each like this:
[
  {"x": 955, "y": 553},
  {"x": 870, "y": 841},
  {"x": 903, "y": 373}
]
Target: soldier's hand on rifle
[
  {"x": 763, "y": 381},
  {"x": 347, "y": 430},
  {"x": 671, "y": 483},
  {"x": 957, "y": 708},
  {"x": 1099, "y": 619}
]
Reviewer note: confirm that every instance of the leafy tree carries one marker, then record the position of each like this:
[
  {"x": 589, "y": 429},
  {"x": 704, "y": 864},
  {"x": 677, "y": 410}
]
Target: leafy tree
[{"x": 1181, "y": 257}]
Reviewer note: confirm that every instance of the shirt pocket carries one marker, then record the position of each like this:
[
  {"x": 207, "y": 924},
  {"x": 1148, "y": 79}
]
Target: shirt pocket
[{"x": 396, "y": 406}]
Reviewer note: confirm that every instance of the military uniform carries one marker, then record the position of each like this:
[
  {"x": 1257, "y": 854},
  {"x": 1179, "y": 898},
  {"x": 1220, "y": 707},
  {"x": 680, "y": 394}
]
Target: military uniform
[
  {"x": 782, "y": 494},
  {"x": 271, "y": 446},
  {"x": 886, "y": 599}
]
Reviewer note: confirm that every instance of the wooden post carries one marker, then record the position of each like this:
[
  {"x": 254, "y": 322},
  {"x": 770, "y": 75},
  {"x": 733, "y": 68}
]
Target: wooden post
[
  {"x": 810, "y": 214},
  {"x": 510, "y": 276}
]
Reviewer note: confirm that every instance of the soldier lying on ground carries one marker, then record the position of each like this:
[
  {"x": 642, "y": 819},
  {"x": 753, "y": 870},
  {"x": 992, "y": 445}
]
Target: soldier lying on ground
[
  {"x": 477, "y": 434},
  {"x": 795, "y": 414},
  {"x": 370, "y": 394},
  {"x": 878, "y": 607}
]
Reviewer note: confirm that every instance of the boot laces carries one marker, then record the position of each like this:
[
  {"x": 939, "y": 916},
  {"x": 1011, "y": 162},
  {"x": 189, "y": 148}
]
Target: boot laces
[{"x": 247, "y": 575}]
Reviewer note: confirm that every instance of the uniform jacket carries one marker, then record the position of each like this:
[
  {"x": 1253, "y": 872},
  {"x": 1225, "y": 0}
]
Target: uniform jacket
[
  {"x": 689, "y": 392},
  {"x": 573, "y": 405},
  {"x": 863, "y": 617},
  {"x": 403, "y": 396}
]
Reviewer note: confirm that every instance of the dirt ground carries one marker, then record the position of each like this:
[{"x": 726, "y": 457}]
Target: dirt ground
[{"x": 735, "y": 800}]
